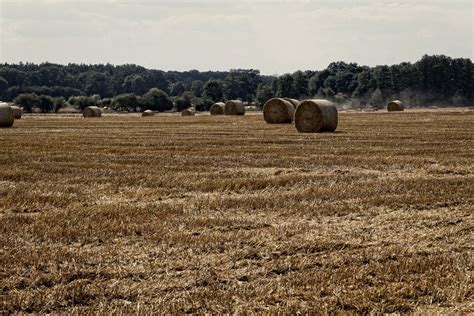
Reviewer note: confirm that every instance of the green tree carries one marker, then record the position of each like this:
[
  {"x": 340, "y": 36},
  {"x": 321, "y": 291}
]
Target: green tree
[
  {"x": 301, "y": 84},
  {"x": 274, "y": 85},
  {"x": 366, "y": 84},
  {"x": 156, "y": 79},
  {"x": 197, "y": 88},
  {"x": 241, "y": 84},
  {"x": 177, "y": 89},
  {"x": 264, "y": 93},
  {"x": 13, "y": 76},
  {"x": 94, "y": 82},
  {"x": 383, "y": 78},
  {"x": 317, "y": 81},
  {"x": 326, "y": 92},
  {"x": 51, "y": 75},
  {"x": 286, "y": 87},
  {"x": 134, "y": 84},
  {"x": 377, "y": 98},
  {"x": 81, "y": 102},
  {"x": 341, "y": 77},
  {"x": 203, "y": 104},
  {"x": 126, "y": 102},
  {"x": 181, "y": 104},
  {"x": 46, "y": 104},
  {"x": 27, "y": 101},
  {"x": 106, "y": 102},
  {"x": 314, "y": 85},
  {"x": 3, "y": 85},
  {"x": 463, "y": 80},
  {"x": 213, "y": 90},
  {"x": 434, "y": 78},
  {"x": 157, "y": 100},
  {"x": 58, "y": 103},
  {"x": 340, "y": 98}
]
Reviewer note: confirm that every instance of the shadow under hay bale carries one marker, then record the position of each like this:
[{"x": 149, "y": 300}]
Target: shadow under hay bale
[
  {"x": 17, "y": 112},
  {"x": 6, "y": 115},
  {"x": 217, "y": 108},
  {"x": 187, "y": 112},
  {"x": 395, "y": 105},
  {"x": 278, "y": 111},
  {"x": 148, "y": 113},
  {"x": 234, "y": 107},
  {"x": 314, "y": 116},
  {"x": 92, "y": 111}
]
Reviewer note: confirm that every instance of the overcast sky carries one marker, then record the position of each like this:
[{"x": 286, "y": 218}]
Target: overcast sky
[{"x": 275, "y": 36}]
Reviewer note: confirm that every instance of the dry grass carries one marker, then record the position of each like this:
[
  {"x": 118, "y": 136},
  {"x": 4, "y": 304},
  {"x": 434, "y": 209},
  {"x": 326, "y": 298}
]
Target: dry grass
[{"x": 229, "y": 214}]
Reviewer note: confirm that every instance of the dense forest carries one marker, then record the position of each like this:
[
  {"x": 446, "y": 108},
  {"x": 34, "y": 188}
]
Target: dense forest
[{"x": 47, "y": 87}]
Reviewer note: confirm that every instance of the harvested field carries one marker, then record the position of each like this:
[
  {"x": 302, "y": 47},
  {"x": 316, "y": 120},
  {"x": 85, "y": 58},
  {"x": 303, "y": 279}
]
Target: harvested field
[{"x": 228, "y": 214}]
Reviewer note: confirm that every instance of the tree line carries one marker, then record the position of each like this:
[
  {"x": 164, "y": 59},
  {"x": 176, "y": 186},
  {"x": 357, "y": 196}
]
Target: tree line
[{"x": 436, "y": 79}]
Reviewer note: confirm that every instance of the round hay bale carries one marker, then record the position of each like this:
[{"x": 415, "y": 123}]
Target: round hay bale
[
  {"x": 17, "y": 112},
  {"x": 395, "y": 105},
  {"x": 278, "y": 111},
  {"x": 92, "y": 111},
  {"x": 293, "y": 101},
  {"x": 217, "y": 108},
  {"x": 313, "y": 116},
  {"x": 187, "y": 112},
  {"x": 148, "y": 113},
  {"x": 6, "y": 115},
  {"x": 234, "y": 107}
]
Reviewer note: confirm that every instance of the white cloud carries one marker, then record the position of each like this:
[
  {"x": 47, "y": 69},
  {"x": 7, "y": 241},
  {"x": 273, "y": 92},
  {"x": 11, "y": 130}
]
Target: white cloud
[{"x": 275, "y": 36}]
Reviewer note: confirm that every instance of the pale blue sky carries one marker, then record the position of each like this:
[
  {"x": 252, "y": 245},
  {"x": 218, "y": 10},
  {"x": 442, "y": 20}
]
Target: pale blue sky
[{"x": 275, "y": 36}]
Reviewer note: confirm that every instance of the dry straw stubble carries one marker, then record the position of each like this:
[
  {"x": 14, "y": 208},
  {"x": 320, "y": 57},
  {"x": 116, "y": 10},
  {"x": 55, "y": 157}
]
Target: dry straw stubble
[
  {"x": 6, "y": 115},
  {"x": 278, "y": 111},
  {"x": 317, "y": 115},
  {"x": 308, "y": 219},
  {"x": 234, "y": 107}
]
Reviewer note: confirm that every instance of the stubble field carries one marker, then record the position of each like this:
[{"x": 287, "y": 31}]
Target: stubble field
[{"x": 228, "y": 214}]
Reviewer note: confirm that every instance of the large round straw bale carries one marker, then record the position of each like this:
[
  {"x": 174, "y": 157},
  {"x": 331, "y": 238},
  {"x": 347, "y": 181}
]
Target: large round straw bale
[
  {"x": 278, "y": 111},
  {"x": 187, "y": 112},
  {"x": 148, "y": 113},
  {"x": 293, "y": 101},
  {"x": 92, "y": 111},
  {"x": 313, "y": 116},
  {"x": 217, "y": 108},
  {"x": 395, "y": 105},
  {"x": 234, "y": 107},
  {"x": 6, "y": 115},
  {"x": 17, "y": 112}
]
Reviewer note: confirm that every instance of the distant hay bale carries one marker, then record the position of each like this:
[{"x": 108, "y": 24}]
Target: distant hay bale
[
  {"x": 148, "y": 113},
  {"x": 395, "y": 105},
  {"x": 313, "y": 116},
  {"x": 217, "y": 108},
  {"x": 6, "y": 115},
  {"x": 92, "y": 111},
  {"x": 17, "y": 112},
  {"x": 278, "y": 111},
  {"x": 293, "y": 101},
  {"x": 187, "y": 112},
  {"x": 234, "y": 107}
]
